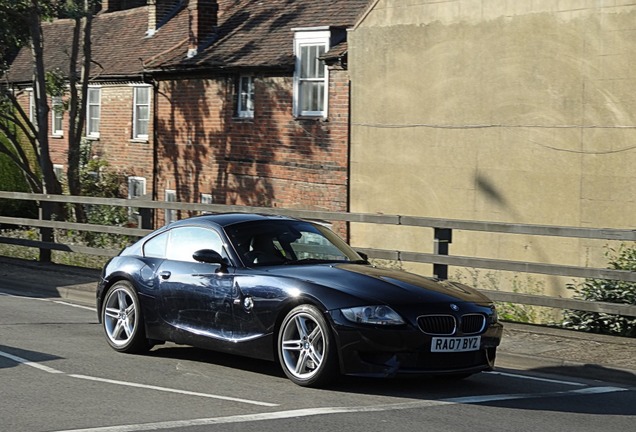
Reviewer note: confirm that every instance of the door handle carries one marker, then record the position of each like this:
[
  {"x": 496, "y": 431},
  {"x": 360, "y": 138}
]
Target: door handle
[{"x": 165, "y": 275}]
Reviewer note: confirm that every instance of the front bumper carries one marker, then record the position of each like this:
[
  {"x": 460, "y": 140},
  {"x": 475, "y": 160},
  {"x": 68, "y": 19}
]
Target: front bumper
[{"x": 389, "y": 352}]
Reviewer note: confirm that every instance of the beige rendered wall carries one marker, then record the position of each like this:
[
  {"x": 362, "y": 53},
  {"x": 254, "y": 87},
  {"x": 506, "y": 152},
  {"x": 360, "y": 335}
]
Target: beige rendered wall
[{"x": 495, "y": 110}]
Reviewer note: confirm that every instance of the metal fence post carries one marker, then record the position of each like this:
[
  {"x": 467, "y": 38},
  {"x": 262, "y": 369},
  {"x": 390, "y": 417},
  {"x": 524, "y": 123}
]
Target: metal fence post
[
  {"x": 443, "y": 238},
  {"x": 46, "y": 234}
]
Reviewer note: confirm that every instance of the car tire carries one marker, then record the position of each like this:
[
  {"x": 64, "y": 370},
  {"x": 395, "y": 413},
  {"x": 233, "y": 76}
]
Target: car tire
[
  {"x": 122, "y": 320},
  {"x": 306, "y": 347}
]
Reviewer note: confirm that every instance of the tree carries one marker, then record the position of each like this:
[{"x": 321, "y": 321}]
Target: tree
[
  {"x": 21, "y": 24},
  {"x": 82, "y": 12},
  {"x": 24, "y": 20}
]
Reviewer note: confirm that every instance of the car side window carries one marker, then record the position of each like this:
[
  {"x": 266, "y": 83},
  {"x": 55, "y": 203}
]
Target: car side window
[
  {"x": 185, "y": 241},
  {"x": 156, "y": 246}
]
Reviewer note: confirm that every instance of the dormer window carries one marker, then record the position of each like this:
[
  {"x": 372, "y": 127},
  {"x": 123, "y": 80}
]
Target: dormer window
[{"x": 311, "y": 78}]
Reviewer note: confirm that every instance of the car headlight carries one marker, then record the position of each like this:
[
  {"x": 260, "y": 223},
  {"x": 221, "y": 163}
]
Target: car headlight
[
  {"x": 494, "y": 318},
  {"x": 376, "y": 315}
]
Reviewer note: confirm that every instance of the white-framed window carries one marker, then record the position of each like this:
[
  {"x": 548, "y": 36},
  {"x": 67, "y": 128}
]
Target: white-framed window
[
  {"x": 136, "y": 187},
  {"x": 141, "y": 112},
  {"x": 311, "y": 84},
  {"x": 33, "y": 116},
  {"x": 206, "y": 198},
  {"x": 93, "y": 112},
  {"x": 57, "y": 116},
  {"x": 245, "y": 96},
  {"x": 171, "y": 214}
]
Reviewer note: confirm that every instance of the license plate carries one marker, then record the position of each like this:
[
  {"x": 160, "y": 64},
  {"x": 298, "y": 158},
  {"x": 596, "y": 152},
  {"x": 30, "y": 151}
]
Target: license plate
[{"x": 455, "y": 344}]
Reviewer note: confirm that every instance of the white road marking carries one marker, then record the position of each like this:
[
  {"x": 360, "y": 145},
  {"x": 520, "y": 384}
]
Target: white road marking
[
  {"x": 170, "y": 390},
  {"x": 332, "y": 410},
  {"x": 49, "y": 300},
  {"x": 30, "y": 363},
  {"x": 75, "y": 305},
  {"x": 47, "y": 369},
  {"x": 570, "y": 383}
]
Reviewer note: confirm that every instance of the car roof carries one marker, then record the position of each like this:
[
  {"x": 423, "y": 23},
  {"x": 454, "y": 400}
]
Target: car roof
[{"x": 227, "y": 219}]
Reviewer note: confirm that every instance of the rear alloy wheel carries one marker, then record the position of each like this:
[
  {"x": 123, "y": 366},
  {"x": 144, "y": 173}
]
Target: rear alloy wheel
[
  {"x": 306, "y": 349},
  {"x": 122, "y": 320}
]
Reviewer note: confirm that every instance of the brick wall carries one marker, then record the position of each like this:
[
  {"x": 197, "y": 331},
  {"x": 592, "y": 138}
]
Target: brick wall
[
  {"x": 272, "y": 160},
  {"x": 125, "y": 155}
]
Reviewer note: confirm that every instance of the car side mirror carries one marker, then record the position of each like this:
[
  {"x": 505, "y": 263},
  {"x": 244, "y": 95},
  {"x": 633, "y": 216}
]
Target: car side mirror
[
  {"x": 363, "y": 255},
  {"x": 211, "y": 257}
]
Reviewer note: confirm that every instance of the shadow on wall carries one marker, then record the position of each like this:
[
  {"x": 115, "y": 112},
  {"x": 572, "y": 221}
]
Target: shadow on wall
[
  {"x": 494, "y": 195},
  {"x": 204, "y": 148}
]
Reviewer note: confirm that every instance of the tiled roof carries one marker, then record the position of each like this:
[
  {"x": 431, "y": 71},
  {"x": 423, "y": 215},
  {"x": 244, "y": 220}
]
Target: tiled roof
[
  {"x": 259, "y": 33},
  {"x": 251, "y": 33},
  {"x": 119, "y": 44}
]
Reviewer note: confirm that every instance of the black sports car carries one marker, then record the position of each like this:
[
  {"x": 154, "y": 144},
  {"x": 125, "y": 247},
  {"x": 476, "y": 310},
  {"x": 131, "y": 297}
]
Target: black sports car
[{"x": 284, "y": 289}]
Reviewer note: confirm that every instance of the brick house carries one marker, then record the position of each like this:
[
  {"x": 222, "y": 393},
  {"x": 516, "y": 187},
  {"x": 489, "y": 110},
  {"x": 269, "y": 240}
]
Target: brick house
[{"x": 230, "y": 101}]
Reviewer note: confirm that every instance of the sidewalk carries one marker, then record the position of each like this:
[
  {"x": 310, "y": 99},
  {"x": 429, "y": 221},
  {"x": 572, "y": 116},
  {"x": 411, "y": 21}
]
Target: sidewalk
[{"x": 524, "y": 347}]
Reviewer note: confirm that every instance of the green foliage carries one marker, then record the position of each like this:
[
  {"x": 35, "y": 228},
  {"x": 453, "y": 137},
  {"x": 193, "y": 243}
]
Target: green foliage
[
  {"x": 55, "y": 83},
  {"x": 98, "y": 180},
  {"x": 610, "y": 291},
  {"x": 12, "y": 179}
]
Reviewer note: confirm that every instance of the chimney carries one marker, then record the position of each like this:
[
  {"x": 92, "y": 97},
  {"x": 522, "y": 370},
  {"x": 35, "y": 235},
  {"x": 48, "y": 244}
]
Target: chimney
[
  {"x": 160, "y": 12},
  {"x": 152, "y": 17},
  {"x": 202, "y": 23}
]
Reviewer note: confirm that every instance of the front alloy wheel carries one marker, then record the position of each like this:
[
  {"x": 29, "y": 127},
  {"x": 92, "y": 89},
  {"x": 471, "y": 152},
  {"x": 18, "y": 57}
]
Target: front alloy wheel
[
  {"x": 122, "y": 321},
  {"x": 305, "y": 347}
]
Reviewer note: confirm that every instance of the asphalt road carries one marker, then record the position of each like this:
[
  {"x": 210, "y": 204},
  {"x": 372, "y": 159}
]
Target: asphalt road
[{"x": 58, "y": 374}]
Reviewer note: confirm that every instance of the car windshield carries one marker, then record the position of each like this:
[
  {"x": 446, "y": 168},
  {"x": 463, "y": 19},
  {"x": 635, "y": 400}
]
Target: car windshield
[{"x": 288, "y": 242}]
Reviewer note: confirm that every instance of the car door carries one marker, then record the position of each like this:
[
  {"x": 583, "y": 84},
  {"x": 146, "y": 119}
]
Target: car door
[{"x": 195, "y": 298}]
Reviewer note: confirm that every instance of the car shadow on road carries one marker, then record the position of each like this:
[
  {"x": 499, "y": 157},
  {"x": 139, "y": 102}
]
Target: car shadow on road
[
  {"x": 185, "y": 352},
  {"x": 591, "y": 371},
  {"x": 17, "y": 356},
  {"x": 481, "y": 389}
]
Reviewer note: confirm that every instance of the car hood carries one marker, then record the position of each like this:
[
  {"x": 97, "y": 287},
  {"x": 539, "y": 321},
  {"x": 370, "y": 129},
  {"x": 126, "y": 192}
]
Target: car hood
[{"x": 386, "y": 286}]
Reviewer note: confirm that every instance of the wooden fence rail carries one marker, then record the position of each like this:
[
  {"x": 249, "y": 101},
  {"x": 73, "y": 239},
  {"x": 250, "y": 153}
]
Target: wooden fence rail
[{"x": 443, "y": 229}]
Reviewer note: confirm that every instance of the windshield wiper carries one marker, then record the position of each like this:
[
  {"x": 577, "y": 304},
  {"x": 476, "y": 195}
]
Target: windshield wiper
[
  {"x": 323, "y": 261},
  {"x": 309, "y": 261}
]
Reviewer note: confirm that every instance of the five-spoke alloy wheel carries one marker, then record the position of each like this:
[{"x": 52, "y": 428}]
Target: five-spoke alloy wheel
[
  {"x": 121, "y": 319},
  {"x": 305, "y": 347}
]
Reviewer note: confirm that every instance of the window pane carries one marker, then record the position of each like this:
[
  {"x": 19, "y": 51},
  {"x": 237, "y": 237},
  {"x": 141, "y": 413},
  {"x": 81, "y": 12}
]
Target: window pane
[
  {"x": 58, "y": 114},
  {"x": 245, "y": 105},
  {"x": 320, "y": 65},
  {"x": 312, "y": 95},
  {"x": 141, "y": 126},
  {"x": 135, "y": 188},
  {"x": 185, "y": 241},
  {"x": 156, "y": 247},
  {"x": 309, "y": 61},
  {"x": 143, "y": 95},
  {"x": 93, "y": 96},
  {"x": 93, "y": 125}
]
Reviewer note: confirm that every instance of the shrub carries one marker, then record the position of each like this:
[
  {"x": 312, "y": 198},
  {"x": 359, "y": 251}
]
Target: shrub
[
  {"x": 12, "y": 179},
  {"x": 610, "y": 291}
]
